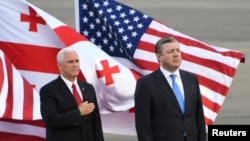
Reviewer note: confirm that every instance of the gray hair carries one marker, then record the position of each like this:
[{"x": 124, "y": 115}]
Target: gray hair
[
  {"x": 168, "y": 39},
  {"x": 60, "y": 54}
]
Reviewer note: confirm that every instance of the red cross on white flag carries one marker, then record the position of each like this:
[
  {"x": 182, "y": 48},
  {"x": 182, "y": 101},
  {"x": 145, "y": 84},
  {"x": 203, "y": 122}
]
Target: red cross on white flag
[
  {"x": 32, "y": 19},
  {"x": 32, "y": 49},
  {"x": 107, "y": 72}
]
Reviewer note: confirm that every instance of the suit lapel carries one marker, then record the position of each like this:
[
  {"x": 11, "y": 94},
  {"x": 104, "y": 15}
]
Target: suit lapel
[
  {"x": 187, "y": 88},
  {"x": 83, "y": 90},
  {"x": 66, "y": 93},
  {"x": 163, "y": 84}
]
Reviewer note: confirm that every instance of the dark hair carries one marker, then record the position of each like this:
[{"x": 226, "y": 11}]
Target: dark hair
[{"x": 158, "y": 46}]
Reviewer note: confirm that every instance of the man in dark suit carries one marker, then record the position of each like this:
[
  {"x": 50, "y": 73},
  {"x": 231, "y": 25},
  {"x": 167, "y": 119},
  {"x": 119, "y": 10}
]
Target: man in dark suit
[
  {"x": 66, "y": 120},
  {"x": 158, "y": 114}
]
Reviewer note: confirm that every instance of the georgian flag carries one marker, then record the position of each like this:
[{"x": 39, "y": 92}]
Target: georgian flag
[{"x": 31, "y": 38}]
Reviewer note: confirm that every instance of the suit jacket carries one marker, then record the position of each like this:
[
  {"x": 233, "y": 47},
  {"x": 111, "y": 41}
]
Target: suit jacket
[
  {"x": 61, "y": 115},
  {"x": 158, "y": 116}
]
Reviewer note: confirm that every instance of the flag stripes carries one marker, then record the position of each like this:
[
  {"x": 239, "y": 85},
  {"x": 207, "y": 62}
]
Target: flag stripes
[
  {"x": 32, "y": 63},
  {"x": 68, "y": 35},
  {"x": 27, "y": 101},
  {"x": 214, "y": 66},
  {"x": 157, "y": 29},
  {"x": 8, "y": 111},
  {"x": 18, "y": 101},
  {"x": 208, "y": 63},
  {"x": 31, "y": 54},
  {"x": 21, "y": 129},
  {"x": 1, "y": 75}
]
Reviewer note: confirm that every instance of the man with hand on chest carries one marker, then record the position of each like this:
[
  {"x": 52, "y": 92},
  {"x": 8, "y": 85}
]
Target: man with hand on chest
[{"x": 69, "y": 106}]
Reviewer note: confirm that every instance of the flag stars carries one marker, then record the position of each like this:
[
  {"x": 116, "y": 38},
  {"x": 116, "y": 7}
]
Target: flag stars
[
  {"x": 136, "y": 19},
  {"x": 100, "y": 12},
  {"x": 105, "y": 19},
  {"x": 110, "y": 27},
  {"x": 105, "y": 41},
  {"x": 118, "y": 8},
  {"x": 129, "y": 45},
  {"x": 115, "y": 29},
  {"x": 123, "y": 15},
  {"x": 85, "y": 19},
  {"x": 130, "y": 27},
  {"x": 109, "y": 10},
  {"x": 98, "y": 34},
  {"x": 97, "y": 21},
  {"x": 121, "y": 50},
  {"x": 106, "y": 3},
  {"x": 96, "y": 5},
  {"x": 91, "y": 13},
  {"x": 115, "y": 36},
  {"x": 140, "y": 25},
  {"x": 126, "y": 21},
  {"x": 99, "y": 46},
  {"x": 125, "y": 38},
  {"x": 120, "y": 30},
  {"x": 117, "y": 23},
  {"x": 113, "y": 16},
  {"x": 84, "y": 6},
  {"x": 92, "y": 26},
  {"x": 92, "y": 39},
  {"x": 109, "y": 35},
  {"x": 104, "y": 28},
  {"x": 115, "y": 42},
  {"x": 132, "y": 12},
  {"x": 111, "y": 48},
  {"x": 145, "y": 16},
  {"x": 134, "y": 34},
  {"x": 85, "y": 33}
]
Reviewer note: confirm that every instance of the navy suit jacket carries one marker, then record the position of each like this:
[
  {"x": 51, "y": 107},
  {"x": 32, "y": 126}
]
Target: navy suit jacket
[
  {"x": 158, "y": 116},
  {"x": 61, "y": 115}
]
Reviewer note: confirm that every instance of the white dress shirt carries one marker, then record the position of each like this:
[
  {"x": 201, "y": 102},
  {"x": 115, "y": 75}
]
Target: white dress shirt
[{"x": 177, "y": 79}]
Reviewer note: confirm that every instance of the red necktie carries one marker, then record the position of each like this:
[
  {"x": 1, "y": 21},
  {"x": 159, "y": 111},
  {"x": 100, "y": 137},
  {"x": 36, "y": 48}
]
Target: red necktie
[{"x": 76, "y": 95}]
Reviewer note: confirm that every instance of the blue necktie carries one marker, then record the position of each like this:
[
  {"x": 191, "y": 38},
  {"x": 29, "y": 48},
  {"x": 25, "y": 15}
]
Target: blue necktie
[{"x": 177, "y": 93}]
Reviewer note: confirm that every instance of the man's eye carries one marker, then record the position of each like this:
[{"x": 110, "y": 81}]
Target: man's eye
[
  {"x": 173, "y": 50},
  {"x": 170, "y": 51}
]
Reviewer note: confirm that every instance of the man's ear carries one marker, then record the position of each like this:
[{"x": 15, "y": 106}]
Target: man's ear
[{"x": 158, "y": 56}]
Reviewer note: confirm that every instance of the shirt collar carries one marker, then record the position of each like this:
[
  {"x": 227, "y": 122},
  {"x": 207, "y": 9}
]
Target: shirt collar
[
  {"x": 68, "y": 83},
  {"x": 167, "y": 74}
]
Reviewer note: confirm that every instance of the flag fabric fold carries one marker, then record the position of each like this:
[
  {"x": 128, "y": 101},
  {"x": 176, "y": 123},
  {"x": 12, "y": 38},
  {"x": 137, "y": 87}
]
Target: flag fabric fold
[
  {"x": 18, "y": 98},
  {"x": 18, "y": 101},
  {"x": 129, "y": 36},
  {"x": 30, "y": 39}
]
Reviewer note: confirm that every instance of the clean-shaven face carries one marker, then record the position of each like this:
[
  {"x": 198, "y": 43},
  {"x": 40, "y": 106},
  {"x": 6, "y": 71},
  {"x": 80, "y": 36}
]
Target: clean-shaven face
[
  {"x": 170, "y": 56},
  {"x": 70, "y": 65}
]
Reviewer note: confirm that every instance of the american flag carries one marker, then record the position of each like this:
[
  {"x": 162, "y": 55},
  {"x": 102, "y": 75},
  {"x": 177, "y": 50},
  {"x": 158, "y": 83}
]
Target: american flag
[
  {"x": 116, "y": 29},
  {"x": 30, "y": 39},
  {"x": 129, "y": 36}
]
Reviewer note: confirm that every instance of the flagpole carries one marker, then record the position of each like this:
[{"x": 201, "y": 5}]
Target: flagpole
[{"x": 77, "y": 15}]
